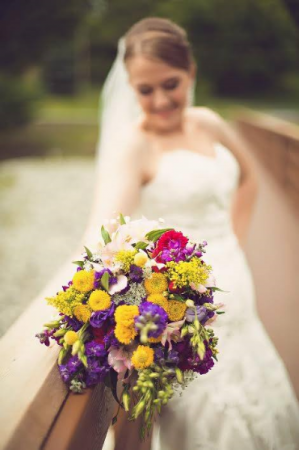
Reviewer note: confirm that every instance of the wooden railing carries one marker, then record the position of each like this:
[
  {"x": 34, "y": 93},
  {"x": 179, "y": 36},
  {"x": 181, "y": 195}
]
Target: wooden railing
[
  {"x": 38, "y": 412},
  {"x": 275, "y": 143},
  {"x": 273, "y": 242}
]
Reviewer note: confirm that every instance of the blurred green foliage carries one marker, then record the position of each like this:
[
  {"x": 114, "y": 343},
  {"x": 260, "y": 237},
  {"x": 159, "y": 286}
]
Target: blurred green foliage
[{"x": 242, "y": 47}]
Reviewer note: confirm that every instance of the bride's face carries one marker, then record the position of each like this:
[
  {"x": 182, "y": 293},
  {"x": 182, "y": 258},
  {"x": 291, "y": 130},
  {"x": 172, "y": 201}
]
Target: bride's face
[{"x": 162, "y": 91}]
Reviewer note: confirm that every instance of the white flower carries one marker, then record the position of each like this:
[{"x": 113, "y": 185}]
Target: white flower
[{"x": 122, "y": 283}]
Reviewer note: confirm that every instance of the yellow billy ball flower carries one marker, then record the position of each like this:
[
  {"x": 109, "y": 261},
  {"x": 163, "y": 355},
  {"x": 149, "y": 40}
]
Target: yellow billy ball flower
[
  {"x": 124, "y": 334},
  {"x": 156, "y": 284},
  {"x": 83, "y": 280},
  {"x": 71, "y": 337},
  {"x": 124, "y": 314},
  {"x": 158, "y": 299},
  {"x": 142, "y": 357},
  {"x": 99, "y": 300},
  {"x": 140, "y": 259},
  {"x": 82, "y": 313},
  {"x": 176, "y": 310}
]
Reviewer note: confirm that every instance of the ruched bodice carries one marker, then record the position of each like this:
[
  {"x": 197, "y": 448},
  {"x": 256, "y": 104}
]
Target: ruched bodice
[{"x": 193, "y": 192}]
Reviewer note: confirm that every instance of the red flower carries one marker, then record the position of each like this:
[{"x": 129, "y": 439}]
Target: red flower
[
  {"x": 100, "y": 333},
  {"x": 157, "y": 270},
  {"x": 173, "y": 288},
  {"x": 171, "y": 240}
]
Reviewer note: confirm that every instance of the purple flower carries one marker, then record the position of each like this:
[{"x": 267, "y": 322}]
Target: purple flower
[
  {"x": 173, "y": 357},
  {"x": 159, "y": 355},
  {"x": 73, "y": 323},
  {"x": 98, "y": 276},
  {"x": 74, "y": 364},
  {"x": 136, "y": 273},
  {"x": 44, "y": 336},
  {"x": 110, "y": 340},
  {"x": 98, "y": 318},
  {"x": 189, "y": 361},
  {"x": 65, "y": 288},
  {"x": 202, "y": 314},
  {"x": 96, "y": 372},
  {"x": 206, "y": 364},
  {"x": 64, "y": 372},
  {"x": 152, "y": 320},
  {"x": 93, "y": 348}
]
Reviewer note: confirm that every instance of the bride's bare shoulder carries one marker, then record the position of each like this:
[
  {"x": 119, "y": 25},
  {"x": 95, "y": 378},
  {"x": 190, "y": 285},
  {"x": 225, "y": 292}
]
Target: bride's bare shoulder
[
  {"x": 205, "y": 117},
  {"x": 134, "y": 141}
]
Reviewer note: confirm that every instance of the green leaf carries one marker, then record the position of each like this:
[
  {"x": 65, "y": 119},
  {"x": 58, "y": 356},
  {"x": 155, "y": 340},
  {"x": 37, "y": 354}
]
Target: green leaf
[
  {"x": 113, "y": 380},
  {"x": 105, "y": 235},
  {"x": 114, "y": 420},
  {"x": 122, "y": 219},
  {"x": 83, "y": 359},
  {"x": 220, "y": 312},
  {"x": 105, "y": 280},
  {"x": 156, "y": 234},
  {"x": 178, "y": 297},
  {"x": 214, "y": 288},
  {"x": 141, "y": 245},
  {"x": 79, "y": 263},
  {"x": 62, "y": 354},
  {"x": 89, "y": 253}
]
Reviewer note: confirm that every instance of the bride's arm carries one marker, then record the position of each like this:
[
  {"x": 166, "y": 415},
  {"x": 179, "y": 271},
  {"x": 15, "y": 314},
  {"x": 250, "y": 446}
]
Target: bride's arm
[
  {"x": 117, "y": 187},
  {"x": 246, "y": 194}
]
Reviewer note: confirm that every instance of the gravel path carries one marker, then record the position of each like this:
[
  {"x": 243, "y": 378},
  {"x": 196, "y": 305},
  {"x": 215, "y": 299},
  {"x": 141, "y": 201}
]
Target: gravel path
[{"x": 44, "y": 206}]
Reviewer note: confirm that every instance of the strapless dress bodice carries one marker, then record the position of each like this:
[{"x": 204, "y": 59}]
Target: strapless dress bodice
[{"x": 193, "y": 193}]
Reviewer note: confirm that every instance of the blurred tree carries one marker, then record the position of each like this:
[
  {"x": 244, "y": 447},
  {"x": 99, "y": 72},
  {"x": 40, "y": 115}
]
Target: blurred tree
[
  {"x": 29, "y": 29},
  {"x": 244, "y": 46}
]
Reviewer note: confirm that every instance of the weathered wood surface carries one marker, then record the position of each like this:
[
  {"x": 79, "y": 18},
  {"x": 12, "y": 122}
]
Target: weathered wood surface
[
  {"x": 273, "y": 242},
  {"x": 275, "y": 143},
  {"x": 33, "y": 395}
]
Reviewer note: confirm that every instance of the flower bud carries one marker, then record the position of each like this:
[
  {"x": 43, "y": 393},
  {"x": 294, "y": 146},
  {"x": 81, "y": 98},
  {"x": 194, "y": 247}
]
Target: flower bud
[
  {"x": 190, "y": 330},
  {"x": 139, "y": 408},
  {"x": 190, "y": 303},
  {"x": 126, "y": 400},
  {"x": 196, "y": 324},
  {"x": 60, "y": 332},
  {"x": 76, "y": 347},
  {"x": 179, "y": 375}
]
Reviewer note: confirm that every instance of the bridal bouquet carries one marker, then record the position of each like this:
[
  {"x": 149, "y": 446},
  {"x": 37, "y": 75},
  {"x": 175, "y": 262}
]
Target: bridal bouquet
[{"x": 136, "y": 314}]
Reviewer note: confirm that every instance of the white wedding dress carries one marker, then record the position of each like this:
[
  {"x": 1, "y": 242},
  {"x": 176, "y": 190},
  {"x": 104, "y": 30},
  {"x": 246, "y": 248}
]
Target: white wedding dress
[{"x": 246, "y": 401}]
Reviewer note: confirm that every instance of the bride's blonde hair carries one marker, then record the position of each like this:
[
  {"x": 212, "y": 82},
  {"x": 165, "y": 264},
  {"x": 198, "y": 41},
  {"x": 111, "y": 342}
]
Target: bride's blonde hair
[{"x": 160, "y": 39}]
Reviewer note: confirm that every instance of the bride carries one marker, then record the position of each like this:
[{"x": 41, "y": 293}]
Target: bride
[{"x": 161, "y": 157}]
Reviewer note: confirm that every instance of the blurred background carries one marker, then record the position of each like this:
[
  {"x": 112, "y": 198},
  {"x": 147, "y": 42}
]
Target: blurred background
[{"x": 54, "y": 57}]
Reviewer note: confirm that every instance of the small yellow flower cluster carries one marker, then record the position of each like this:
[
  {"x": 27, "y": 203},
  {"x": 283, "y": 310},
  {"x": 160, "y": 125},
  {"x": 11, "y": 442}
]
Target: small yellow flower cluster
[
  {"x": 82, "y": 313},
  {"x": 142, "y": 357},
  {"x": 185, "y": 272},
  {"x": 124, "y": 316},
  {"x": 126, "y": 258},
  {"x": 176, "y": 310},
  {"x": 156, "y": 284},
  {"x": 99, "y": 300},
  {"x": 83, "y": 280},
  {"x": 66, "y": 301},
  {"x": 159, "y": 299}
]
